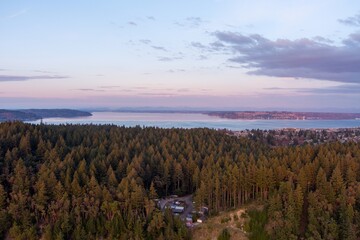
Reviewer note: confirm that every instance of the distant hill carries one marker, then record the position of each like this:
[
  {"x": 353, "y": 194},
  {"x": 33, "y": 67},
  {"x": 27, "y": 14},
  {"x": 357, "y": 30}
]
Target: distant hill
[
  {"x": 9, "y": 115},
  {"x": 55, "y": 113},
  {"x": 36, "y": 114}
]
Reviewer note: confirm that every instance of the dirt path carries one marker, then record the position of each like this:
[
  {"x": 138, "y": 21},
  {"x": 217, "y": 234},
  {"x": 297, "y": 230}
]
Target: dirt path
[{"x": 233, "y": 221}]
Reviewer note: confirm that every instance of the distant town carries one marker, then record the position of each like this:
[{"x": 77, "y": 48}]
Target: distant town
[
  {"x": 296, "y": 136},
  {"x": 284, "y": 115}
]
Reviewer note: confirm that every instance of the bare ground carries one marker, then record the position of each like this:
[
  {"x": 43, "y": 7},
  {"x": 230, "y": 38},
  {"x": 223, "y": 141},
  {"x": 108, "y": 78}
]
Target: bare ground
[{"x": 213, "y": 226}]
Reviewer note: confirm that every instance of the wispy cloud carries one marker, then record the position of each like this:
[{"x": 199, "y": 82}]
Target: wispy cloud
[
  {"x": 344, "y": 89},
  {"x": 205, "y": 90},
  {"x": 183, "y": 90},
  {"x": 145, "y": 41},
  {"x": 194, "y": 21},
  {"x": 151, "y": 18},
  {"x": 165, "y": 59},
  {"x": 168, "y": 59},
  {"x": 232, "y": 66},
  {"x": 44, "y": 71},
  {"x": 131, "y": 23},
  {"x": 198, "y": 45},
  {"x": 115, "y": 88},
  {"x": 14, "y": 78},
  {"x": 338, "y": 90},
  {"x": 351, "y": 21},
  {"x": 141, "y": 88},
  {"x": 18, "y": 13},
  {"x": 110, "y": 87},
  {"x": 212, "y": 47},
  {"x": 116, "y": 25},
  {"x": 88, "y": 90},
  {"x": 301, "y": 58},
  {"x": 159, "y": 48},
  {"x": 176, "y": 70},
  {"x": 190, "y": 22},
  {"x": 278, "y": 88},
  {"x": 202, "y": 57},
  {"x": 156, "y": 94},
  {"x": 322, "y": 39}
]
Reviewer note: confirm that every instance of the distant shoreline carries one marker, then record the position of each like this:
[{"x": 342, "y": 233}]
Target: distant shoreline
[
  {"x": 284, "y": 115},
  {"x": 255, "y": 115},
  {"x": 194, "y": 120},
  {"x": 37, "y": 114}
]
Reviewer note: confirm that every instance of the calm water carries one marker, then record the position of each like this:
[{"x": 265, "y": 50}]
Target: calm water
[{"x": 191, "y": 120}]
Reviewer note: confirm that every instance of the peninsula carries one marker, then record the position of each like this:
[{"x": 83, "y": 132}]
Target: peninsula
[{"x": 36, "y": 114}]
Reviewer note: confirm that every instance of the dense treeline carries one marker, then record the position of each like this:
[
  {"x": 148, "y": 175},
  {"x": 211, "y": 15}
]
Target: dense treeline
[{"x": 88, "y": 182}]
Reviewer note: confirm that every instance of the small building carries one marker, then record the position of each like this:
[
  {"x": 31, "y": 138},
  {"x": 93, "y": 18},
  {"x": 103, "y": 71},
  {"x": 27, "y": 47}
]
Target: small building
[{"x": 177, "y": 209}]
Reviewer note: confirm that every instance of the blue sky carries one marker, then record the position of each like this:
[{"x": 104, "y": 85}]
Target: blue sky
[{"x": 219, "y": 54}]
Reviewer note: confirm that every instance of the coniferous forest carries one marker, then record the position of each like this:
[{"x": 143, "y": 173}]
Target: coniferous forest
[{"x": 99, "y": 182}]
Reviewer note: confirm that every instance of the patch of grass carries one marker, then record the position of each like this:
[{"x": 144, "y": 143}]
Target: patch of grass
[
  {"x": 239, "y": 225},
  {"x": 213, "y": 226},
  {"x": 225, "y": 219},
  {"x": 256, "y": 225},
  {"x": 224, "y": 235}
]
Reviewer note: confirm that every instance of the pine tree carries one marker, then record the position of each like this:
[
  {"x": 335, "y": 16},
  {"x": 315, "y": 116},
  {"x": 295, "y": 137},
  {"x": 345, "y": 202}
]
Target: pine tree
[
  {"x": 152, "y": 191},
  {"x": 4, "y": 223}
]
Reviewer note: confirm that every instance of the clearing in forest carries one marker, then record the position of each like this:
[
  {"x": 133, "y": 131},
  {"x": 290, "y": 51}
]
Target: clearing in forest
[{"x": 234, "y": 221}]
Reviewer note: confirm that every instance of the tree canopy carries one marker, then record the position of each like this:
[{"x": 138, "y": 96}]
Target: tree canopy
[{"x": 92, "y": 182}]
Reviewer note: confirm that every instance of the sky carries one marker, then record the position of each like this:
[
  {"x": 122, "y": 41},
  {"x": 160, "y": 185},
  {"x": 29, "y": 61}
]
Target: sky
[{"x": 193, "y": 54}]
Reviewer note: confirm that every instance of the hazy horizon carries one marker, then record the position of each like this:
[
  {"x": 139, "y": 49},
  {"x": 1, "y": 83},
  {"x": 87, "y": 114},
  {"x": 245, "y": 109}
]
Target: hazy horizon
[
  {"x": 160, "y": 109},
  {"x": 217, "y": 54}
]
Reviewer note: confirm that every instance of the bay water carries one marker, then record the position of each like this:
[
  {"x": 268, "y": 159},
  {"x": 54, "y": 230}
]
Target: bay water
[{"x": 196, "y": 120}]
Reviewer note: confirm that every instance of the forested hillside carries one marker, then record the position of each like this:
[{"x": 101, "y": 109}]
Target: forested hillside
[
  {"x": 36, "y": 114},
  {"x": 92, "y": 182}
]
